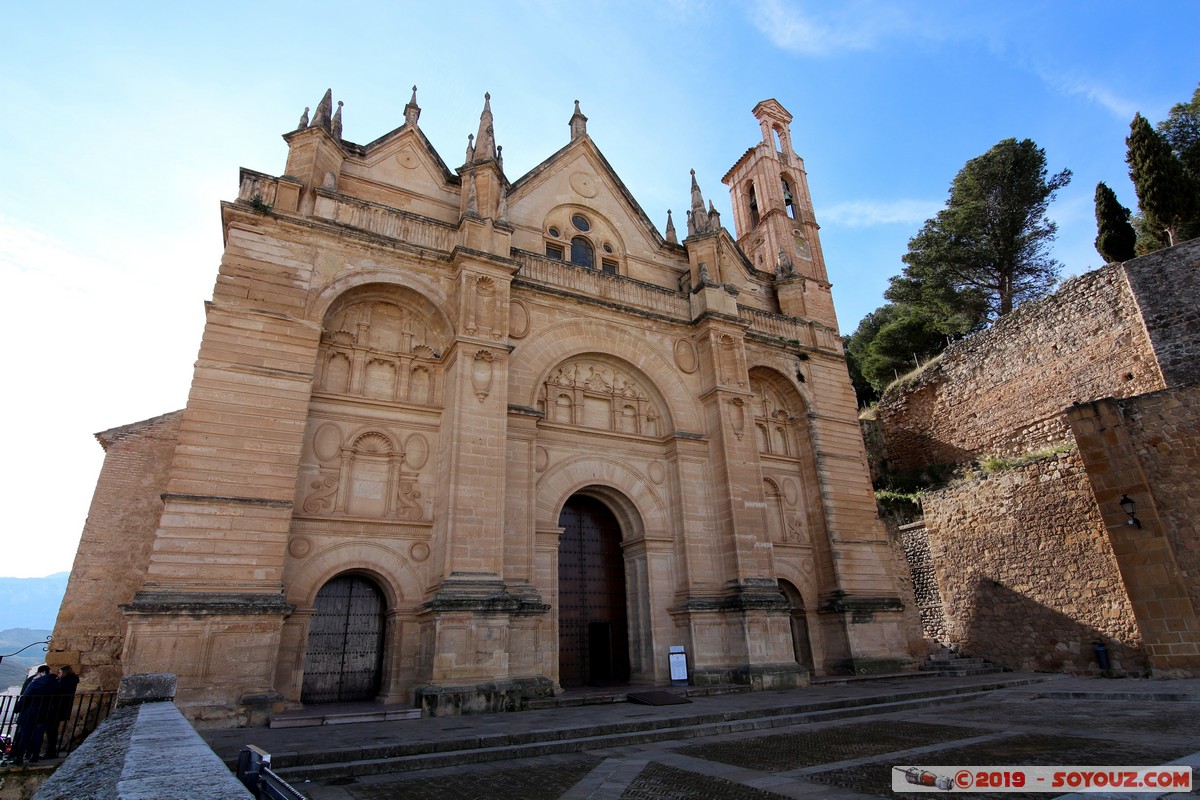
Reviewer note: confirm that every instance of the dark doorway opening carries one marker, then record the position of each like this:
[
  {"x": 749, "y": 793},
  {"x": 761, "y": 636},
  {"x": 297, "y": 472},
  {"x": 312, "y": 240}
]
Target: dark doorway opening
[
  {"x": 593, "y": 627},
  {"x": 345, "y": 643},
  {"x": 801, "y": 645}
]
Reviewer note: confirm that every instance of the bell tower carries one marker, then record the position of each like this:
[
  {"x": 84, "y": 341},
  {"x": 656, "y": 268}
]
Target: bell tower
[{"x": 774, "y": 220}]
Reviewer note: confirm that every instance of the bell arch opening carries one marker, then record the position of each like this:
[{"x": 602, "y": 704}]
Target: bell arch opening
[{"x": 343, "y": 660}]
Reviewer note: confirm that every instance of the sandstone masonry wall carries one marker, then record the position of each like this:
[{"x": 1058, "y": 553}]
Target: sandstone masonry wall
[
  {"x": 1026, "y": 572},
  {"x": 114, "y": 551},
  {"x": 1165, "y": 430},
  {"x": 1003, "y": 391}
]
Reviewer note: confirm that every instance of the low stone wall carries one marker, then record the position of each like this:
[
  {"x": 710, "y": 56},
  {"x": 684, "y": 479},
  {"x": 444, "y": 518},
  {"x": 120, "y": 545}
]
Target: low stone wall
[
  {"x": 1025, "y": 571},
  {"x": 145, "y": 749}
]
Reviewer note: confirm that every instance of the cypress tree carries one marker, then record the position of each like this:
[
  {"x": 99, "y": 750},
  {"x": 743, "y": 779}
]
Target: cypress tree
[
  {"x": 1165, "y": 192},
  {"x": 1115, "y": 236}
]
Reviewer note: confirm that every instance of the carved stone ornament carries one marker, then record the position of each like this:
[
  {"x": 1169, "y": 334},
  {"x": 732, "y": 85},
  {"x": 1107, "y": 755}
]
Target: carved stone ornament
[
  {"x": 583, "y": 184},
  {"x": 737, "y": 416},
  {"x": 518, "y": 320},
  {"x": 685, "y": 356},
  {"x": 299, "y": 547},
  {"x": 656, "y": 472},
  {"x": 481, "y": 374}
]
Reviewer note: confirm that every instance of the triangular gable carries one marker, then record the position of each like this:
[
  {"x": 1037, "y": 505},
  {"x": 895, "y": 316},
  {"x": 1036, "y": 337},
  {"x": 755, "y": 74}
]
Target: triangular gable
[
  {"x": 528, "y": 184},
  {"x": 392, "y": 159}
]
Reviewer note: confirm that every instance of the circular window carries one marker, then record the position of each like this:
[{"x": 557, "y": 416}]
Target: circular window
[
  {"x": 580, "y": 222},
  {"x": 554, "y": 232},
  {"x": 608, "y": 248}
]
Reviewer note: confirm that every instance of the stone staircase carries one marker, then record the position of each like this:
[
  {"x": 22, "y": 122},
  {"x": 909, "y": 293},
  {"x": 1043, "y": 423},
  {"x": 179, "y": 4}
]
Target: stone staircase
[{"x": 955, "y": 665}]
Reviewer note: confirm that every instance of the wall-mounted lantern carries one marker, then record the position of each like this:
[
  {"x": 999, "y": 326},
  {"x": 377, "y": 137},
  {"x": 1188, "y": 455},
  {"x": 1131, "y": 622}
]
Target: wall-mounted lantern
[{"x": 1129, "y": 507}]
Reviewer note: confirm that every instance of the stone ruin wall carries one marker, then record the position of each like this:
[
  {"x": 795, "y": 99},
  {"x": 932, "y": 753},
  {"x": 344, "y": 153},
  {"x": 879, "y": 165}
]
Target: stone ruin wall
[
  {"x": 1022, "y": 564},
  {"x": 1003, "y": 391},
  {"x": 114, "y": 550}
]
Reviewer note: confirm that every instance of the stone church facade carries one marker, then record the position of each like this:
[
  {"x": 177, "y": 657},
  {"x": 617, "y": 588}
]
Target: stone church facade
[{"x": 460, "y": 441}]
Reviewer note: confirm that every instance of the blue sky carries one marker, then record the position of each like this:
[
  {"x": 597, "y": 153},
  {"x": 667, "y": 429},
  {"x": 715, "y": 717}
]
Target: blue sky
[{"x": 126, "y": 124}]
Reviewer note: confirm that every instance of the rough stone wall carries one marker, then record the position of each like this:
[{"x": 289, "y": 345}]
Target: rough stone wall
[
  {"x": 1167, "y": 284},
  {"x": 1165, "y": 431},
  {"x": 926, "y": 596},
  {"x": 1026, "y": 572},
  {"x": 110, "y": 564},
  {"x": 1003, "y": 391}
]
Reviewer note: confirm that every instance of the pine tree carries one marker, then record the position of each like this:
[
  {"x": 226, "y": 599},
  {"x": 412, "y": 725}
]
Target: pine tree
[
  {"x": 1166, "y": 193},
  {"x": 1115, "y": 238}
]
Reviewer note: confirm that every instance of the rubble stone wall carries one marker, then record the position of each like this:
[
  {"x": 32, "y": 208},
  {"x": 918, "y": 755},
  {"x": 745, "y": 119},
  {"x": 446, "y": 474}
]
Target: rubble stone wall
[
  {"x": 1025, "y": 570},
  {"x": 1004, "y": 390}
]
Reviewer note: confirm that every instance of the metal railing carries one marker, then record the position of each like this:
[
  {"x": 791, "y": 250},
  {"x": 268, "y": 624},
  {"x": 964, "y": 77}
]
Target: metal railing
[
  {"x": 255, "y": 773},
  {"x": 88, "y": 710}
]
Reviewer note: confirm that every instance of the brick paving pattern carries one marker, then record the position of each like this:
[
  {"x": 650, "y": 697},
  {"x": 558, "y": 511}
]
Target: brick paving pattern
[
  {"x": 783, "y": 752},
  {"x": 660, "y": 782},
  {"x": 543, "y": 782},
  {"x": 1027, "y": 750}
]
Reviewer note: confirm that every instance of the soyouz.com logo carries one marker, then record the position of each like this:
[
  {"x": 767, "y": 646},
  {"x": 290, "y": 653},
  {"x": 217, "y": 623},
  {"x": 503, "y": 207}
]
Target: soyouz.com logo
[{"x": 1059, "y": 780}]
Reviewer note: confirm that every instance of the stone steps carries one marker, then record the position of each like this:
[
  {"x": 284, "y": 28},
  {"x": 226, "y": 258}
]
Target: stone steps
[
  {"x": 409, "y": 755},
  {"x": 952, "y": 664}
]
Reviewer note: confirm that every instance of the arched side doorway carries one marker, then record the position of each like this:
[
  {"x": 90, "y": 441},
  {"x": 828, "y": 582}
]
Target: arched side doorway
[
  {"x": 345, "y": 642},
  {"x": 593, "y": 626},
  {"x": 801, "y": 644}
]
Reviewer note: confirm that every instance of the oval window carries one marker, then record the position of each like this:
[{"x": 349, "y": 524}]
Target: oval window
[
  {"x": 554, "y": 232},
  {"x": 580, "y": 222}
]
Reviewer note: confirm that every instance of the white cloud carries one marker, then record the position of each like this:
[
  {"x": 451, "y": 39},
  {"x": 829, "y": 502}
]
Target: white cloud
[
  {"x": 823, "y": 30},
  {"x": 1121, "y": 107},
  {"x": 868, "y": 213}
]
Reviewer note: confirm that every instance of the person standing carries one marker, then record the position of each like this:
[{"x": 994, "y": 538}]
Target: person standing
[
  {"x": 34, "y": 709},
  {"x": 60, "y": 711}
]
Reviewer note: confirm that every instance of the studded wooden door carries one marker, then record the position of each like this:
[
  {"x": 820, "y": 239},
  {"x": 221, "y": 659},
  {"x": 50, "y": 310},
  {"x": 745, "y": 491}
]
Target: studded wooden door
[
  {"x": 593, "y": 631},
  {"x": 345, "y": 643}
]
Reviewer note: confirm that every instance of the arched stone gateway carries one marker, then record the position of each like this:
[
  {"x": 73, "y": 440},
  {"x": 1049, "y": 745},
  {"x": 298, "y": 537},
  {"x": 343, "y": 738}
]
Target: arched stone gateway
[
  {"x": 593, "y": 627},
  {"x": 345, "y": 642}
]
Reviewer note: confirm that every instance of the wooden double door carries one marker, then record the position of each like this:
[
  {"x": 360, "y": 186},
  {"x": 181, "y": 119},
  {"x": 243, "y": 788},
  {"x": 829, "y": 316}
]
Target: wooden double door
[
  {"x": 345, "y": 642},
  {"x": 593, "y": 627}
]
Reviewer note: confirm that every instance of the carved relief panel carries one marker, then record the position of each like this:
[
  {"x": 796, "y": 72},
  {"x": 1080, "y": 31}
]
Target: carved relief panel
[
  {"x": 595, "y": 393},
  {"x": 777, "y": 426},
  {"x": 383, "y": 348},
  {"x": 374, "y": 472}
]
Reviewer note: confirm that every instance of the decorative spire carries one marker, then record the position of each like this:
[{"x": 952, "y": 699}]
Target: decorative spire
[
  {"x": 324, "y": 108},
  {"x": 502, "y": 212},
  {"x": 714, "y": 217},
  {"x": 578, "y": 123},
  {"x": 672, "y": 238},
  {"x": 485, "y": 140},
  {"x": 412, "y": 111},
  {"x": 500, "y": 158},
  {"x": 470, "y": 147},
  {"x": 698, "y": 221},
  {"x": 303, "y": 120},
  {"x": 335, "y": 127}
]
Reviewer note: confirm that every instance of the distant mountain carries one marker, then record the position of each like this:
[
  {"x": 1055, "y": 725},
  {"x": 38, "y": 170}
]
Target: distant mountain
[
  {"x": 31, "y": 602},
  {"x": 13, "y": 668}
]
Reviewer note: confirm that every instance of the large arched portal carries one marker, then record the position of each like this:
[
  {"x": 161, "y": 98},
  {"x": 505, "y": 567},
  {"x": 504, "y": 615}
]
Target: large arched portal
[
  {"x": 593, "y": 627},
  {"x": 345, "y": 642}
]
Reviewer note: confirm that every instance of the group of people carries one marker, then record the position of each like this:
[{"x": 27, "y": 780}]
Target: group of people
[{"x": 45, "y": 703}]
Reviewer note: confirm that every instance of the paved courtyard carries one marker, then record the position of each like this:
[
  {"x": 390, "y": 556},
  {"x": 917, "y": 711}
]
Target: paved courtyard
[{"x": 1127, "y": 723}]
